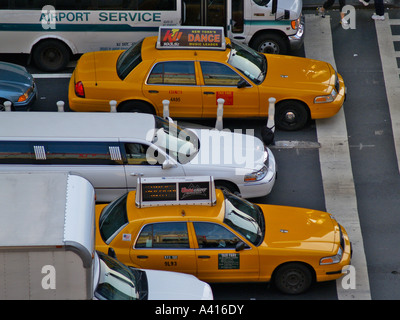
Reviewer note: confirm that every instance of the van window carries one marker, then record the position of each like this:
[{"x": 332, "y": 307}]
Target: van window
[
  {"x": 18, "y": 152},
  {"x": 58, "y": 152},
  {"x": 164, "y": 235}
]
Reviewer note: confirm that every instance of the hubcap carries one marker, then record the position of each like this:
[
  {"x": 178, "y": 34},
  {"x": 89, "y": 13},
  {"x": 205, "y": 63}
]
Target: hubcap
[
  {"x": 269, "y": 47},
  {"x": 290, "y": 117}
]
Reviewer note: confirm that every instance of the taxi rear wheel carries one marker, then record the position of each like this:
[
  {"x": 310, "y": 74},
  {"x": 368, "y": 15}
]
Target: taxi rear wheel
[
  {"x": 293, "y": 278},
  {"x": 291, "y": 115},
  {"x": 136, "y": 106}
]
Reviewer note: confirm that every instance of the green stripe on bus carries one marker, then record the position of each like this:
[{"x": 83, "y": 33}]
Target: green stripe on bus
[
  {"x": 74, "y": 27},
  {"x": 267, "y": 22}
]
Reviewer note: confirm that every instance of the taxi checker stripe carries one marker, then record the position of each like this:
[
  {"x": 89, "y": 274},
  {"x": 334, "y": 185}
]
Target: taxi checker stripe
[{"x": 75, "y": 27}]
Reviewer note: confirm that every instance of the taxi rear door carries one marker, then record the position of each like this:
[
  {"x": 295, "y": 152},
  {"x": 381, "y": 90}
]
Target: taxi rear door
[
  {"x": 164, "y": 246},
  {"x": 174, "y": 81},
  {"x": 221, "y": 81},
  {"x": 217, "y": 258}
]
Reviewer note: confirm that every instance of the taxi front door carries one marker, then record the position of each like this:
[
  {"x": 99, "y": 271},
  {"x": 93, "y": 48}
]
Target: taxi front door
[
  {"x": 175, "y": 81},
  {"x": 217, "y": 258},
  {"x": 164, "y": 246},
  {"x": 221, "y": 81}
]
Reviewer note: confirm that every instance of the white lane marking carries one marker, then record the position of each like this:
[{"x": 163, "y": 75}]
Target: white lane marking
[
  {"x": 390, "y": 75},
  {"x": 337, "y": 175},
  {"x": 51, "y": 75}
]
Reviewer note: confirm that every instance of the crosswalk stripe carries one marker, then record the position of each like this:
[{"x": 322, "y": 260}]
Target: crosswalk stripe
[{"x": 337, "y": 176}]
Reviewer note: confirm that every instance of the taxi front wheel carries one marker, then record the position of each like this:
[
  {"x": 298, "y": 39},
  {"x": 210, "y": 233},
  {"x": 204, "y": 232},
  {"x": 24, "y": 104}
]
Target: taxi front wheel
[
  {"x": 293, "y": 278},
  {"x": 291, "y": 115}
]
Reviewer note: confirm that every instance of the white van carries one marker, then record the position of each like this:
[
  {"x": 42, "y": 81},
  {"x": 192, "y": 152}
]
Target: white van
[{"x": 112, "y": 150}]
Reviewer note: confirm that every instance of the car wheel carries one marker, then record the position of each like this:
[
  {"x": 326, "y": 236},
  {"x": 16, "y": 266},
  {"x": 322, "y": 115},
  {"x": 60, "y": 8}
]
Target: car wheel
[
  {"x": 293, "y": 278},
  {"x": 51, "y": 55},
  {"x": 291, "y": 115},
  {"x": 226, "y": 186},
  {"x": 270, "y": 43},
  {"x": 136, "y": 106}
]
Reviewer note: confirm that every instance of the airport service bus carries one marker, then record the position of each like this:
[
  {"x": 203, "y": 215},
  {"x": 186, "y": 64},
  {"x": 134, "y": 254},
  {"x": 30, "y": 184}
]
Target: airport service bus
[{"x": 53, "y": 31}]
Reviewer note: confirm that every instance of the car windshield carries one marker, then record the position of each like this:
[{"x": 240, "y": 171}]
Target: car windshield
[
  {"x": 113, "y": 218},
  {"x": 244, "y": 217},
  {"x": 116, "y": 281},
  {"x": 248, "y": 61},
  {"x": 179, "y": 143},
  {"x": 129, "y": 59}
]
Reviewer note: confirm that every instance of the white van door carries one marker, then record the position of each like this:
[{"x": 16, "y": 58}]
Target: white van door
[{"x": 141, "y": 163}]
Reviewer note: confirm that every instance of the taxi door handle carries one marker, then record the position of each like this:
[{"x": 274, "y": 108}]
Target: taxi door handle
[
  {"x": 204, "y": 257},
  {"x": 142, "y": 257},
  {"x": 208, "y": 92},
  {"x": 153, "y": 91}
]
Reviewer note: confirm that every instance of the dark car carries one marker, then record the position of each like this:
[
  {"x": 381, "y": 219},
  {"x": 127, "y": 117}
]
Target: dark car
[{"x": 17, "y": 86}]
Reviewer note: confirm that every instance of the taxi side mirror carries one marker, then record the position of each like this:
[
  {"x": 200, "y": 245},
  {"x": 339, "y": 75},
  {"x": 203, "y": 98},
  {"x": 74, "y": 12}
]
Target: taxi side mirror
[
  {"x": 242, "y": 83},
  {"x": 240, "y": 246},
  {"x": 112, "y": 253}
]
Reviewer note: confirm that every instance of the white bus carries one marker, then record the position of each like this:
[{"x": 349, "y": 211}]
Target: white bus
[{"x": 52, "y": 31}]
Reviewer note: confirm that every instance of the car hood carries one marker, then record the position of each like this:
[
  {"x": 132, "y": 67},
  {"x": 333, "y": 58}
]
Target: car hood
[
  {"x": 14, "y": 77},
  {"x": 166, "y": 285},
  {"x": 229, "y": 149},
  {"x": 299, "y": 73},
  {"x": 299, "y": 228}
]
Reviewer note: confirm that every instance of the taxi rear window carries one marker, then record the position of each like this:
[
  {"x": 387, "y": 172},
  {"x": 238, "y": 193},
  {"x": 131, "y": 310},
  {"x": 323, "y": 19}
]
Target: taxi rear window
[
  {"x": 113, "y": 219},
  {"x": 129, "y": 59}
]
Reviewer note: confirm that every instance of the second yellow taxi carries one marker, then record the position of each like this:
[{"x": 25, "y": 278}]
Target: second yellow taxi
[
  {"x": 194, "y": 67},
  {"x": 185, "y": 225}
]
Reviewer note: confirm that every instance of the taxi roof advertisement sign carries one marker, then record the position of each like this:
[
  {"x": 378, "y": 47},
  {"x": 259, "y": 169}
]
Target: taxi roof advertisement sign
[{"x": 178, "y": 37}]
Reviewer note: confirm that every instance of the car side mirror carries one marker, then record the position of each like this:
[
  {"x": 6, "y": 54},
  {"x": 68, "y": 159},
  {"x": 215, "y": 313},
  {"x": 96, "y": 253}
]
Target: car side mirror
[
  {"x": 240, "y": 246},
  {"x": 242, "y": 83},
  {"x": 168, "y": 165},
  {"x": 112, "y": 253}
]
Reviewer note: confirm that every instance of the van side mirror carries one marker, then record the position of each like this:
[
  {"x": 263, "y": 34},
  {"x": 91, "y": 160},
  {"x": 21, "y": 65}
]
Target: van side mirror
[{"x": 240, "y": 246}]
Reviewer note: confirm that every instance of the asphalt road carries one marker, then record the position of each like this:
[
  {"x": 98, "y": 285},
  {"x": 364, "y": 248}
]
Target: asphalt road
[{"x": 374, "y": 162}]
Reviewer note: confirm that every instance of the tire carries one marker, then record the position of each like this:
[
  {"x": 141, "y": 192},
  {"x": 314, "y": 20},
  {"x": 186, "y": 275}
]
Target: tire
[
  {"x": 291, "y": 115},
  {"x": 293, "y": 278},
  {"x": 136, "y": 106},
  {"x": 51, "y": 55},
  {"x": 226, "y": 186},
  {"x": 270, "y": 43}
]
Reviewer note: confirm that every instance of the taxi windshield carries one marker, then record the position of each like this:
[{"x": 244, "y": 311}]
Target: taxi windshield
[
  {"x": 248, "y": 61},
  {"x": 244, "y": 217},
  {"x": 113, "y": 218},
  {"x": 116, "y": 281},
  {"x": 129, "y": 59},
  {"x": 179, "y": 143}
]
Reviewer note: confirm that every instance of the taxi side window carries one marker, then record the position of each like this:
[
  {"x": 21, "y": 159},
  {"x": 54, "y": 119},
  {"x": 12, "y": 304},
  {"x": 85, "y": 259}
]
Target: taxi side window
[
  {"x": 214, "y": 236},
  {"x": 136, "y": 154},
  {"x": 218, "y": 74},
  {"x": 173, "y": 72},
  {"x": 164, "y": 236}
]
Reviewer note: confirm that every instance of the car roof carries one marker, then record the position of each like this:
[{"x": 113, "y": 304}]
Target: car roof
[
  {"x": 53, "y": 125},
  {"x": 150, "y": 52},
  {"x": 214, "y": 213}
]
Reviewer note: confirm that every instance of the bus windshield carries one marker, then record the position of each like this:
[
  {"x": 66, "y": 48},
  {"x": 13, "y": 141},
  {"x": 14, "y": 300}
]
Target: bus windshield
[
  {"x": 129, "y": 59},
  {"x": 248, "y": 61}
]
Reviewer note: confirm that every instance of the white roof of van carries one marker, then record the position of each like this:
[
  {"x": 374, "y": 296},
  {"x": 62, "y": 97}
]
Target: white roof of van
[
  {"x": 45, "y": 209},
  {"x": 75, "y": 125}
]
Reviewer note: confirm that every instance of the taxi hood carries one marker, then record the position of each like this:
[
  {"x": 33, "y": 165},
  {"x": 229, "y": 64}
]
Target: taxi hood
[
  {"x": 299, "y": 73},
  {"x": 299, "y": 228},
  {"x": 229, "y": 149}
]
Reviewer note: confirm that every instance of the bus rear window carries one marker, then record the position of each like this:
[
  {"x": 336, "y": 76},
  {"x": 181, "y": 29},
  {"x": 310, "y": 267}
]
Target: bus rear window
[{"x": 129, "y": 59}]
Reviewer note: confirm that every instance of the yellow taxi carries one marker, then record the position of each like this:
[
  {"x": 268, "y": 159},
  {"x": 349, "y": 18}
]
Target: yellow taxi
[
  {"x": 193, "y": 68},
  {"x": 189, "y": 226}
]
